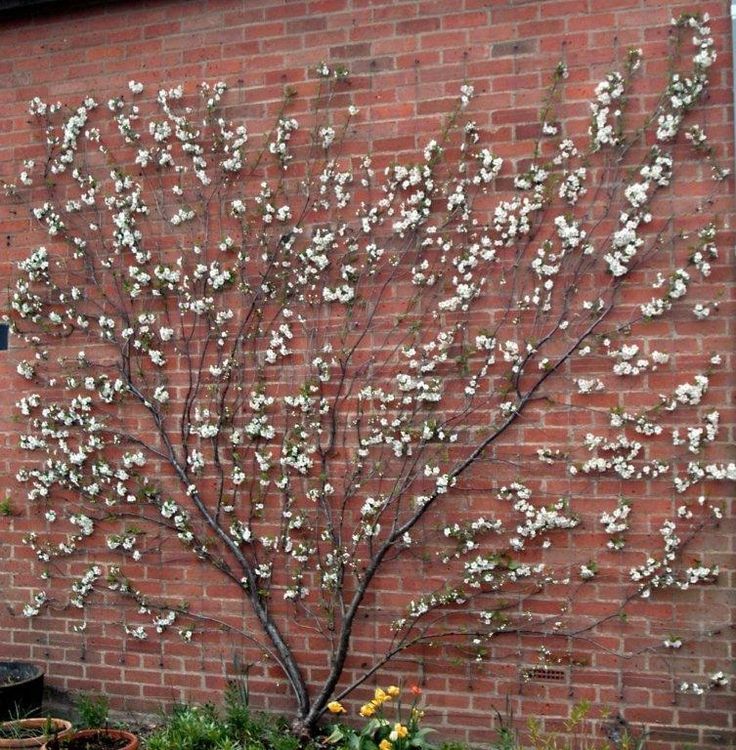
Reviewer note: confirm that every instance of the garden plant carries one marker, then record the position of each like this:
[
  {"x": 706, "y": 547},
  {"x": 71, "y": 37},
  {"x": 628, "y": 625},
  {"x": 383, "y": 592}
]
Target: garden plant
[{"x": 311, "y": 369}]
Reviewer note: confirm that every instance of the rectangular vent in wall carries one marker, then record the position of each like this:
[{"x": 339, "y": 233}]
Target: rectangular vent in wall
[
  {"x": 543, "y": 674},
  {"x": 3, "y": 336}
]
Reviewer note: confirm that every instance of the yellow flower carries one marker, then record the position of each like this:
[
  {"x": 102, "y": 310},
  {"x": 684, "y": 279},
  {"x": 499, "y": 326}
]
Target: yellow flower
[
  {"x": 368, "y": 710},
  {"x": 384, "y": 745},
  {"x": 380, "y": 696},
  {"x": 393, "y": 691},
  {"x": 335, "y": 707},
  {"x": 401, "y": 731}
]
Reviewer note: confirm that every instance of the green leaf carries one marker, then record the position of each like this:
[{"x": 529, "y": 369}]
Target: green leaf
[{"x": 336, "y": 736}]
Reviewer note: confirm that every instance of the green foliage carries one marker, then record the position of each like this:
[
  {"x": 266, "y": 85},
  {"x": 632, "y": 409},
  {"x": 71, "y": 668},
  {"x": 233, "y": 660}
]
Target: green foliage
[
  {"x": 93, "y": 711},
  {"x": 575, "y": 737},
  {"x": 6, "y": 507},
  {"x": 20, "y": 730},
  {"x": 506, "y": 740},
  {"x": 191, "y": 728},
  {"x": 235, "y": 728}
]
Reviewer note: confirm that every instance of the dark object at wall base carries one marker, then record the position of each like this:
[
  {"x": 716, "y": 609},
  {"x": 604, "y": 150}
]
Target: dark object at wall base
[{"x": 21, "y": 690}]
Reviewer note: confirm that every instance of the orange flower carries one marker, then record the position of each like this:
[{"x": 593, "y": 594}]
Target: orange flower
[
  {"x": 394, "y": 691},
  {"x": 368, "y": 710},
  {"x": 335, "y": 707},
  {"x": 415, "y": 690},
  {"x": 384, "y": 745}
]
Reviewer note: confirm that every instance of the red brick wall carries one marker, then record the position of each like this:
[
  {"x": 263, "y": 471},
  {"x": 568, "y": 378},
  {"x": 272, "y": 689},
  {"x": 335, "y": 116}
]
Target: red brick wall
[{"x": 408, "y": 60}]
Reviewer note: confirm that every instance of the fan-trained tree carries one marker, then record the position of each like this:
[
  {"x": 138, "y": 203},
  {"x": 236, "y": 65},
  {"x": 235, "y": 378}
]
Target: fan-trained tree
[{"x": 313, "y": 370}]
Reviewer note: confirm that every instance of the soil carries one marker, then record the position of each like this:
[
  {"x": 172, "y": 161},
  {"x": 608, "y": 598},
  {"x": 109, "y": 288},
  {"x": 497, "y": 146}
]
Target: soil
[{"x": 101, "y": 741}]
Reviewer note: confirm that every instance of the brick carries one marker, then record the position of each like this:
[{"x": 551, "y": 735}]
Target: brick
[
  {"x": 408, "y": 60},
  {"x": 514, "y": 48}
]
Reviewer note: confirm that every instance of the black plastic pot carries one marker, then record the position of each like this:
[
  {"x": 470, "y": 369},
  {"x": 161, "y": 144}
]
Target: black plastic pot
[{"x": 21, "y": 690}]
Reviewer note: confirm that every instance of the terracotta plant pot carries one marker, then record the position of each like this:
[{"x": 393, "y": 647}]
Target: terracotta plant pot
[
  {"x": 95, "y": 739},
  {"x": 32, "y": 732},
  {"x": 21, "y": 690}
]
